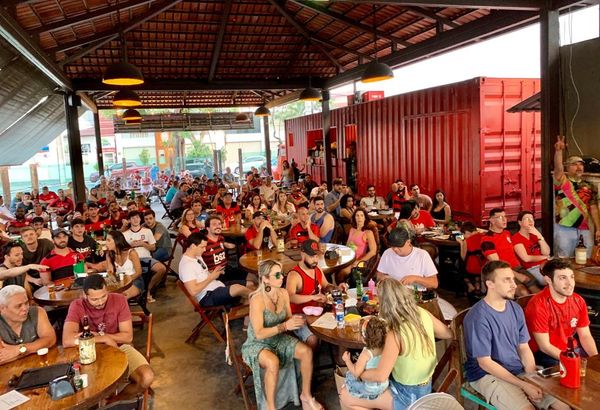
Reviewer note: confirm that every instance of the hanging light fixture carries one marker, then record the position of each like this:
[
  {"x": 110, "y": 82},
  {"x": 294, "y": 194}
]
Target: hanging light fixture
[
  {"x": 376, "y": 71},
  {"x": 310, "y": 93},
  {"x": 127, "y": 98},
  {"x": 262, "y": 111},
  {"x": 133, "y": 122},
  {"x": 242, "y": 117},
  {"x": 122, "y": 73},
  {"x": 131, "y": 115}
]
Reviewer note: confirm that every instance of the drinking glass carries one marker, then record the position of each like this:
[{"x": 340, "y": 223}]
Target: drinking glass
[
  {"x": 43, "y": 356},
  {"x": 583, "y": 366}
]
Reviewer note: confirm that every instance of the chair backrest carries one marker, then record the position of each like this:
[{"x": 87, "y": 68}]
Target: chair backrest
[
  {"x": 524, "y": 300},
  {"x": 436, "y": 401},
  {"x": 460, "y": 356},
  {"x": 190, "y": 297}
]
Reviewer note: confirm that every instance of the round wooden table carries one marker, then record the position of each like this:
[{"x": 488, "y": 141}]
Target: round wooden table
[
  {"x": 239, "y": 230},
  {"x": 589, "y": 280},
  {"x": 103, "y": 377},
  {"x": 66, "y": 296},
  {"x": 291, "y": 257}
]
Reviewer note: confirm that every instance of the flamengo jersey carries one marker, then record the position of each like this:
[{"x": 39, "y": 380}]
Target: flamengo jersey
[{"x": 215, "y": 254}]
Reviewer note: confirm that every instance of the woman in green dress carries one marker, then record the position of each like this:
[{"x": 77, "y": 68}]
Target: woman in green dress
[{"x": 269, "y": 346}]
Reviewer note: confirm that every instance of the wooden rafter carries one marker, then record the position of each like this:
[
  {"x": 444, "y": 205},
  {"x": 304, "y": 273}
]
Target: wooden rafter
[
  {"x": 523, "y": 5},
  {"x": 433, "y": 16},
  {"x": 219, "y": 42}
]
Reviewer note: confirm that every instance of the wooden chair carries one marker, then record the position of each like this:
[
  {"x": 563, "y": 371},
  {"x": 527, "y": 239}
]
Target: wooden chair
[
  {"x": 464, "y": 390},
  {"x": 242, "y": 371},
  {"x": 149, "y": 320},
  {"x": 524, "y": 300},
  {"x": 167, "y": 212},
  {"x": 209, "y": 314},
  {"x": 179, "y": 241},
  {"x": 445, "y": 361}
]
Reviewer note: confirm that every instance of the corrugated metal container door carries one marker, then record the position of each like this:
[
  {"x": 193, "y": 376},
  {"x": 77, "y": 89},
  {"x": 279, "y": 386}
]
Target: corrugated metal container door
[{"x": 510, "y": 147}]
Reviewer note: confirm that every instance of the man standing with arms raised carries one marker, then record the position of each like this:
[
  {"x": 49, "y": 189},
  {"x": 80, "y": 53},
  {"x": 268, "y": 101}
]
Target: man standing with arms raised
[{"x": 576, "y": 204}]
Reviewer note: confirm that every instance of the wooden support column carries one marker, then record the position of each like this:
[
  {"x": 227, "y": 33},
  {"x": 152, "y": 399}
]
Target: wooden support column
[
  {"x": 5, "y": 185},
  {"x": 98, "y": 143},
  {"x": 267, "y": 143},
  {"x": 326, "y": 143},
  {"x": 33, "y": 173},
  {"x": 241, "y": 166},
  {"x": 215, "y": 162},
  {"x": 72, "y": 101},
  {"x": 550, "y": 104}
]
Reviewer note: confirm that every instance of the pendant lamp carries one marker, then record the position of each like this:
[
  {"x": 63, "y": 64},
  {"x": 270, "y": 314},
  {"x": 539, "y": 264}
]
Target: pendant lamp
[
  {"x": 310, "y": 93},
  {"x": 127, "y": 98},
  {"x": 376, "y": 71},
  {"x": 133, "y": 122},
  {"x": 262, "y": 111},
  {"x": 242, "y": 117},
  {"x": 131, "y": 115}
]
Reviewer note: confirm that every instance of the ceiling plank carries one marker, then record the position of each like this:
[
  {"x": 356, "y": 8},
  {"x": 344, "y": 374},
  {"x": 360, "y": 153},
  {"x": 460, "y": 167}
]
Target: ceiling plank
[
  {"x": 523, "y": 5},
  {"x": 219, "y": 42},
  {"x": 82, "y": 18},
  {"x": 110, "y": 35},
  {"x": 493, "y": 24},
  {"x": 433, "y": 16},
  {"x": 349, "y": 22},
  {"x": 286, "y": 99},
  {"x": 281, "y": 9},
  {"x": 94, "y": 84}
]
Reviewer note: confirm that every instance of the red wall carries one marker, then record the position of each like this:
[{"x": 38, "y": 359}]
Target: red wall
[{"x": 456, "y": 137}]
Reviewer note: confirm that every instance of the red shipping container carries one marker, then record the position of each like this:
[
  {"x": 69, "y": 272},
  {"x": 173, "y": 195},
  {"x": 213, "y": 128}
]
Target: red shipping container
[
  {"x": 457, "y": 137},
  {"x": 372, "y": 96}
]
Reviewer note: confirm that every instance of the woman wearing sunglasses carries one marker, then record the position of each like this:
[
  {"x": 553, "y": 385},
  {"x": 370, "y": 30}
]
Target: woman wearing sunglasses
[{"x": 269, "y": 346}]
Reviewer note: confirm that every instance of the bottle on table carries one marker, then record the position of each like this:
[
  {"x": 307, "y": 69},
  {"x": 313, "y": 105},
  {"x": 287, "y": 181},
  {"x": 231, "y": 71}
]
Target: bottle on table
[
  {"x": 339, "y": 314},
  {"x": 372, "y": 290},
  {"x": 580, "y": 252},
  {"x": 359, "y": 285},
  {"x": 87, "y": 344},
  {"x": 280, "y": 243},
  {"x": 77, "y": 380},
  {"x": 570, "y": 364}
]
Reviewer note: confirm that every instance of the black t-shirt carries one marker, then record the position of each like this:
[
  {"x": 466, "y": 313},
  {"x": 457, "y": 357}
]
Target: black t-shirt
[
  {"x": 87, "y": 247},
  {"x": 43, "y": 249}
]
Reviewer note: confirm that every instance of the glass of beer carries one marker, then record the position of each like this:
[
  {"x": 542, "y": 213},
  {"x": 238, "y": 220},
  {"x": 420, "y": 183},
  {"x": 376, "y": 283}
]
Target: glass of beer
[
  {"x": 43, "y": 356},
  {"x": 51, "y": 288}
]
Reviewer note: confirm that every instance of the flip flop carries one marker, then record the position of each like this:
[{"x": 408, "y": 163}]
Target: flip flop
[{"x": 311, "y": 404}]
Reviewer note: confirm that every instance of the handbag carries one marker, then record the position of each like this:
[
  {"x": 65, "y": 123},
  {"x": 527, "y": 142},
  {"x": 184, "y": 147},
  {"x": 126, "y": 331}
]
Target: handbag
[{"x": 61, "y": 387}]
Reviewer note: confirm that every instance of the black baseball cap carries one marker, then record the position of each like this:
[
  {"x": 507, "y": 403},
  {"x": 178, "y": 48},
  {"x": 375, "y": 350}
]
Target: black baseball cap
[
  {"x": 310, "y": 247},
  {"x": 59, "y": 231},
  {"x": 258, "y": 214}
]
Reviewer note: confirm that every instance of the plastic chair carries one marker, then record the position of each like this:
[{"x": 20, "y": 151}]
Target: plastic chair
[
  {"x": 208, "y": 314},
  {"x": 465, "y": 391}
]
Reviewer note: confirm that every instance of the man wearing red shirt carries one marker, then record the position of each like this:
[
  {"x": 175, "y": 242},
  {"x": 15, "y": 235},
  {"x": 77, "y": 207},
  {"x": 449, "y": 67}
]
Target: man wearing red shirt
[
  {"x": 496, "y": 245},
  {"x": 297, "y": 197},
  {"x": 46, "y": 197},
  {"x": 531, "y": 248},
  {"x": 229, "y": 210},
  {"x": 95, "y": 224},
  {"x": 557, "y": 313},
  {"x": 19, "y": 222},
  {"x": 421, "y": 219},
  {"x": 117, "y": 219},
  {"x": 470, "y": 253},
  {"x": 304, "y": 229},
  {"x": 60, "y": 260},
  {"x": 215, "y": 254},
  {"x": 62, "y": 206},
  {"x": 259, "y": 233}
]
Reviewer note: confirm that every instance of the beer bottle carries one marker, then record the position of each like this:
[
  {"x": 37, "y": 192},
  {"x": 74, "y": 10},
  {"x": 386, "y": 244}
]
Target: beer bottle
[
  {"x": 87, "y": 344},
  {"x": 580, "y": 252}
]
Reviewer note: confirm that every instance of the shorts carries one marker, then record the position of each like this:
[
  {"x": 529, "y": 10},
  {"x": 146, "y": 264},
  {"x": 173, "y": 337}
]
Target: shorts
[
  {"x": 303, "y": 333},
  {"x": 364, "y": 390},
  {"x": 134, "y": 358},
  {"x": 405, "y": 395},
  {"x": 139, "y": 283},
  {"x": 505, "y": 396},
  {"x": 221, "y": 296}
]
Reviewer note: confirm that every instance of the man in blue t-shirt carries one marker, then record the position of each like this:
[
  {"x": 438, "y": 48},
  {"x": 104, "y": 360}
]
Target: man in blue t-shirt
[{"x": 496, "y": 339}]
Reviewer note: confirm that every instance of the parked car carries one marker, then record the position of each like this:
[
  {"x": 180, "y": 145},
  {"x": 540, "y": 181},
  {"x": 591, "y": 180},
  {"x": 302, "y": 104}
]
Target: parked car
[
  {"x": 249, "y": 162},
  {"x": 116, "y": 170},
  {"x": 199, "y": 166}
]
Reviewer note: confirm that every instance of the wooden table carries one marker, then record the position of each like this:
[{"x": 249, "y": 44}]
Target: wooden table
[
  {"x": 585, "y": 280},
  {"x": 585, "y": 398},
  {"x": 66, "y": 296},
  {"x": 239, "y": 230},
  {"x": 103, "y": 377},
  {"x": 249, "y": 261}
]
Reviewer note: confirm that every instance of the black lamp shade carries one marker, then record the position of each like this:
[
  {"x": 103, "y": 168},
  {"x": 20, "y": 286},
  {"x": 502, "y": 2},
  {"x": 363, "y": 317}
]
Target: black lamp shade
[
  {"x": 262, "y": 111},
  {"x": 131, "y": 115},
  {"x": 242, "y": 117},
  {"x": 122, "y": 74},
  {"x": 377, "y": 71},
  {"x": 133, "y": 122},
  {"x": 310, "y": 94},
  {"x": 127, "y": 98}
]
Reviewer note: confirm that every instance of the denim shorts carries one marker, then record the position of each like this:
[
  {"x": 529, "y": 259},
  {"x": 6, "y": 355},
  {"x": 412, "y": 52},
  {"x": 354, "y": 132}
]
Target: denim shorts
[
  {"x": 221, "y": 296},
  {"x": 404, "y": 395}
]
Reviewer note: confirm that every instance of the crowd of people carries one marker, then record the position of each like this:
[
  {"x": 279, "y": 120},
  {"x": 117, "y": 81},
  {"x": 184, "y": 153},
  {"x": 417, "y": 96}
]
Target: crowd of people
[{"x": 502, "y": 340}]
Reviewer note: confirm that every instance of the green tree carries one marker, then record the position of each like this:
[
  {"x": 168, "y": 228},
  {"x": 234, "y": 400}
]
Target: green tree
[
  {"x": 145, "y": 156},
  {"x": 199, "y": 149}
]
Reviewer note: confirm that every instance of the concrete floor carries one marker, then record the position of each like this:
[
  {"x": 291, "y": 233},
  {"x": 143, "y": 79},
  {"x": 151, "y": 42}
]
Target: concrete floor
[{"x": 197, "y": 376}]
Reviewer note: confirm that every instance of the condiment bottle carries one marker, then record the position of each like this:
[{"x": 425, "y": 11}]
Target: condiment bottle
[
  {"x": 570, "y": 364},
  {"x": 77, "y": 381},
  {"x": 372, "y": 288},
  {"x": 87, "y": 344}
]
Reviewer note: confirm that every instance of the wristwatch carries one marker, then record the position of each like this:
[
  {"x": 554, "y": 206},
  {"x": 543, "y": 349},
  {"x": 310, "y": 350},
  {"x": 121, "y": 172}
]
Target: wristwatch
[{"x": 22, "y": 349}]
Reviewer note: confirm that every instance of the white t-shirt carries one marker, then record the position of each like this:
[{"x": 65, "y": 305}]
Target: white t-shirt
[
  {"x": 195, "y": 269},
  {"x": 144, "y": 234},
  {"x": 418, "y": 263},
  {"x": 268, "y": 192}
]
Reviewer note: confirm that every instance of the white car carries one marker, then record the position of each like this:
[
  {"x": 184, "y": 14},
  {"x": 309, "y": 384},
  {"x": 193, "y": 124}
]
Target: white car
[{"x": 249, "y": 162}]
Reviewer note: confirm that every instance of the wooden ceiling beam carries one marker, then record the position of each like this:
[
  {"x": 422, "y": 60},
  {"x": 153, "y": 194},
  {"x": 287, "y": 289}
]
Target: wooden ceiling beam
[
  {"x": 281, "y": 9},
  {"x": 107, "y": 36},
  {"x": 94, "y": 84},
  {"x": 432, "y": 16},
  {"x": 521, "y": 5},
  {"x": 219, "y": 42},
  {"x": 349, "y": 22},
  {"x": 82, "y": 18}
]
